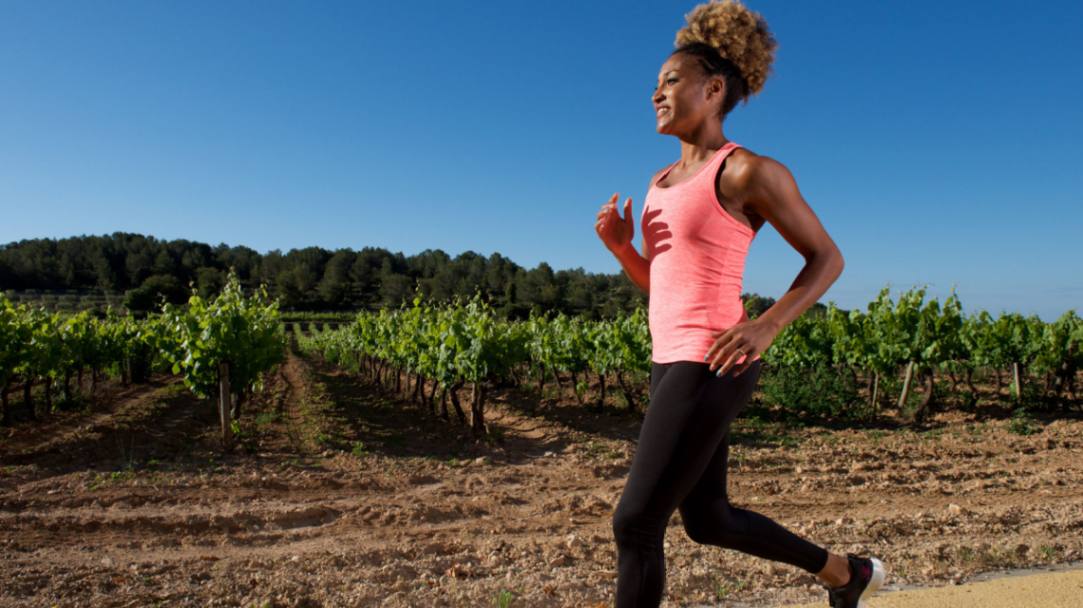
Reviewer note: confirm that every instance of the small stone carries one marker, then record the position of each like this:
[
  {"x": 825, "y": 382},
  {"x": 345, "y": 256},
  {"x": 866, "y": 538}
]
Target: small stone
[{"x": 572, "y": 541}]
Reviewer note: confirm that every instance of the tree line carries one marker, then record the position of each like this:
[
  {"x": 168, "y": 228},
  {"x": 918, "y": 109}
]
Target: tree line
[{"x": 144, "y": 270}]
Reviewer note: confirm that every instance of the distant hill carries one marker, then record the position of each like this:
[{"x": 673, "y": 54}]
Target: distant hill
[{"x": 135, "y": 269}]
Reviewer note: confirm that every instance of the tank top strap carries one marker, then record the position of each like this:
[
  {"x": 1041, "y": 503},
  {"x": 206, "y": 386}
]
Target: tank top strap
[
  {"x": 664, "y": 173},
  {"x": 716, "y": 161}
]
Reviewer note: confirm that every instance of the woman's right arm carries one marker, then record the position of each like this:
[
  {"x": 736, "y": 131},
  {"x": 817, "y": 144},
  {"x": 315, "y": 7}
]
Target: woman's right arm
[
  {"x": 617, "y": 232},
  {"x": 637, "y": 267}
]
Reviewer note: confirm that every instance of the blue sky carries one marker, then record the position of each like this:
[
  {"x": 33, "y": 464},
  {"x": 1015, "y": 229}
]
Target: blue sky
[{"x": 939, "y": 143}]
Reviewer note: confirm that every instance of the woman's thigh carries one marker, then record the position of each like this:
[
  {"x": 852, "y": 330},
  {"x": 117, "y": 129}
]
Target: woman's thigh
[{"x": 689, "y": 413}]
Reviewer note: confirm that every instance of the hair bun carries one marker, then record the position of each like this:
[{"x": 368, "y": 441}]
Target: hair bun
[{"x": 739, "y": 34}]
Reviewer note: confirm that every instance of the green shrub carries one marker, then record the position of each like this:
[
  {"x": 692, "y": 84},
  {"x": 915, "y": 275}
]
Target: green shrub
[{"x": 815, "y": 391}]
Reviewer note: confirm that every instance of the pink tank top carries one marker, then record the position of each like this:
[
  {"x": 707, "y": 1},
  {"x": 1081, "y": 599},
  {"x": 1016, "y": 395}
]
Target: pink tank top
[{"x": 697, "y": 257}]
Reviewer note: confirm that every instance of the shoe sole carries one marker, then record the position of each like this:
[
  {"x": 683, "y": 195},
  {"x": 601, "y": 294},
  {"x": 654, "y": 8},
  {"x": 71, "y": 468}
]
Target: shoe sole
[{"x": 875, "y": 582}]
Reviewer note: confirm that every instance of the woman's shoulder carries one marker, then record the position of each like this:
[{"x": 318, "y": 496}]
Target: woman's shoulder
[{"x": 745, "y": 167}]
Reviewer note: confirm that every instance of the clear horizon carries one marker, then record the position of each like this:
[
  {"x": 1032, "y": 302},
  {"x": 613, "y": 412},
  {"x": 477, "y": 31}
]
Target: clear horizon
[{"x": 935, "y": 145}]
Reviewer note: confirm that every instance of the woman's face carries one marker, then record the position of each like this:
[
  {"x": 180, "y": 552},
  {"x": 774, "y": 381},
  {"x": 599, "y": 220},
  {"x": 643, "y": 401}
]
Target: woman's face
[{"x": 683, "y": 98}]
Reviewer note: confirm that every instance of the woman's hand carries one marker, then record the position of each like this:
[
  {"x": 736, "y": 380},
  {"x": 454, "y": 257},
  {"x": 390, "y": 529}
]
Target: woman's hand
[
  {"x": 746, "y": 339},
  {"x": 616, "y": 232}
]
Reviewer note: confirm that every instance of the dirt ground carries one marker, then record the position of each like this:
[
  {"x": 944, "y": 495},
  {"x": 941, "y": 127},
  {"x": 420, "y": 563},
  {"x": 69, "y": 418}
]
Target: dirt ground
[{"x": 341, "y": 496}]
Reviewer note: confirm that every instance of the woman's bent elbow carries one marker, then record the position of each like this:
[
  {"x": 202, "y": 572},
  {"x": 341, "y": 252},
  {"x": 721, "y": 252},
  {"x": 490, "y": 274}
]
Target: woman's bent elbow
[{"x": 833, "y": 267}]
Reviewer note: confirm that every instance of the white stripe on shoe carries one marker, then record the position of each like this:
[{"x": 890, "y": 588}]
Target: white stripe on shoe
[{"x": 879, "y": 575}]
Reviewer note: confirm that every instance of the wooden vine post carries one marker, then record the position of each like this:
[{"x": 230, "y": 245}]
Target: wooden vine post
[
  {"x": 224, "y": 405},
  {"x": 1015, "y": 381},
  {"x": 906, "y": 385}
]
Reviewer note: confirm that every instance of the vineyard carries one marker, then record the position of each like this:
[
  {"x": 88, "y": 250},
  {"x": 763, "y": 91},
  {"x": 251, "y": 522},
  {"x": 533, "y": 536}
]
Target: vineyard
[
  {"x": 440, "y": 455},
  {"x": 843, "y": 365},
  {"x": 230, "y": 341},
  {"x": 466, "y": 344}
]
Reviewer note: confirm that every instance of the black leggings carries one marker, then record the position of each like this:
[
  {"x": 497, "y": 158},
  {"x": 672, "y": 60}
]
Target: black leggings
[{"x": 680, "y": 462}]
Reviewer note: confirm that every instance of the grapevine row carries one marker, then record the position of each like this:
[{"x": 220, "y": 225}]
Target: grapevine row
[
  {"x": 465, "y": 344},
  {"x": 47, "y": 349}
]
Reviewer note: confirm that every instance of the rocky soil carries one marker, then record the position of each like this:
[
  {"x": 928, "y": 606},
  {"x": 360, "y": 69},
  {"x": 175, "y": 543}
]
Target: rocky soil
[{"x": 339, "y": 495}]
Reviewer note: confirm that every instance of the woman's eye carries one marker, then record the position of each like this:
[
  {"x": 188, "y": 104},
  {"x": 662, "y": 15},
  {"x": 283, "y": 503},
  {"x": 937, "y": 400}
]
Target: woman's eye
[{"x": 668, "y": 81}]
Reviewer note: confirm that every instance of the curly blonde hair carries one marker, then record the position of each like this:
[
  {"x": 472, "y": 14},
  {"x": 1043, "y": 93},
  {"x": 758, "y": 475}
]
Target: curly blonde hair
[{"x": 739, "y": 37}]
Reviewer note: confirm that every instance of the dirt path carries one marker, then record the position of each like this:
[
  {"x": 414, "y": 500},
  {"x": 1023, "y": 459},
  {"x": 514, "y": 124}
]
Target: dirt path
[
  {"x": 1063, "y": 589},
  {"x": 340, "y": 495}
]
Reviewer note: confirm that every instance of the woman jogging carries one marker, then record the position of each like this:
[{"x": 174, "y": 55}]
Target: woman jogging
[{"x": 699, "y": 218}]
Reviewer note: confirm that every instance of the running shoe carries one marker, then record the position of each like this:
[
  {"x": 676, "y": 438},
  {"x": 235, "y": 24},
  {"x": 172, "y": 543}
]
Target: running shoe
[{"x": 866, "y": 577}]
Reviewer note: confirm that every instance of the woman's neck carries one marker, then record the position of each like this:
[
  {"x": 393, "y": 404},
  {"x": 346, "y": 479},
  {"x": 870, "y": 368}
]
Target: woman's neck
[{"x": 701, "y": 145}]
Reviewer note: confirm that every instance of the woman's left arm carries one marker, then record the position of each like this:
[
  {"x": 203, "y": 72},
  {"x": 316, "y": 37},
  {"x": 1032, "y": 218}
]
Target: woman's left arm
[{"x": 769, "y": 190}]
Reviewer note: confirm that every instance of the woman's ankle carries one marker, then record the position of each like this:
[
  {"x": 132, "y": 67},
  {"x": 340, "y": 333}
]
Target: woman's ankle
[{"x": 836, "y": 572}]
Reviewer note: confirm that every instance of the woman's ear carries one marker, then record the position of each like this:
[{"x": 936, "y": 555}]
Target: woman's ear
[{"x": 716, "y": 89}]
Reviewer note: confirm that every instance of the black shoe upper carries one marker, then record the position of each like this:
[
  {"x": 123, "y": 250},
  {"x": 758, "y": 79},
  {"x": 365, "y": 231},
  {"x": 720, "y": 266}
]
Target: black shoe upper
[{"x": 848, "y": 595}]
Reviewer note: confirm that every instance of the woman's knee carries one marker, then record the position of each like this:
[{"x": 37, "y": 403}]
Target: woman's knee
[
  {"x": 713, "y": 525},
  {"x": 699, "y": 525},
  {"x": 635, "y": 526}
]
